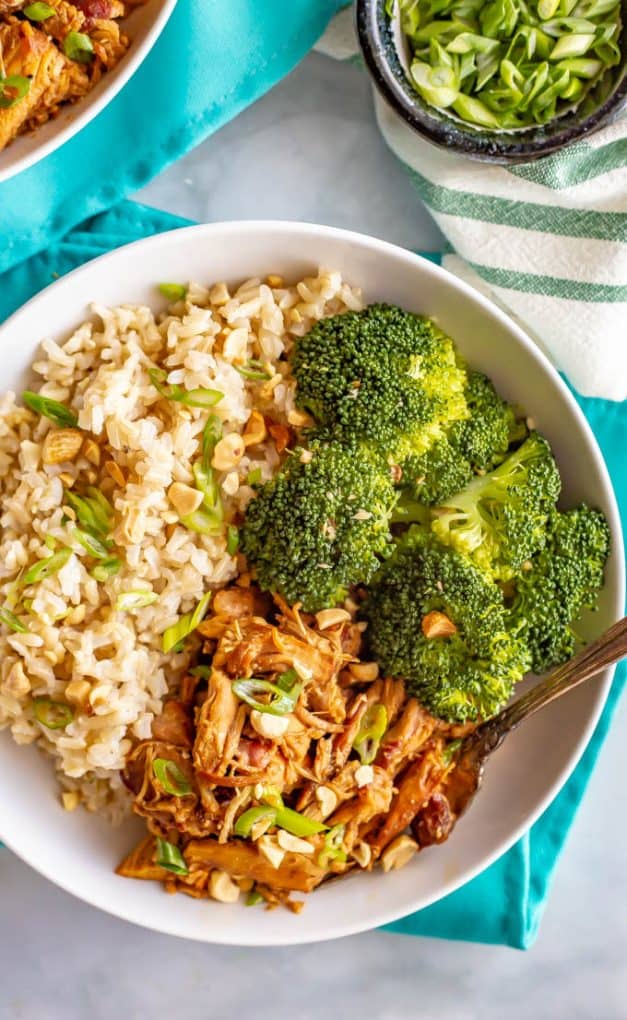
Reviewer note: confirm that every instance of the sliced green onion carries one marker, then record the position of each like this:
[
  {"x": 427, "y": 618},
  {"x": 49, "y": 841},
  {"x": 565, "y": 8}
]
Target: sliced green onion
[
  {"x": 253, "y": 369},
  {"x": 373, "y": 726},
  {"x": 246, "y": 822},
  {"x": 297, "y": 824},
  {"x": 39, "y": 11},
  {"x": 58, "y": 413},
  {"x": 206, "y": 483},
  {"x": 210, "y": 436},
  {"x": 106, "y": 569},
  {"x": 254, "y": 898},
  {"x": 99, "y": 550},
  {"x": 191, "y": 398},
  {"x": 173, "y": 291},
  {"x": 11, "y": 621},
  {"x": 90, "y": 513},
  {"x": 127, "y": 601},
  {"x": 47, "y": 567},
  {"x": 202, "y": 671},
  {"x": 282, "y": 701},
  {"x": 12, "y": 89},
  {"x": 172, "y": 636},
  {"x": 254, "y": 477},
  {"x": 232, "y": 540},
  {"x": 171, "y": 777},
  {"x": 55, "y": 715},
  {"x": 203, "y": 522},
  {"x": 450, "y": 751},
  {"x": 170, "y": 857},
  {"x": 333, "y": 849},
  {"x": 79, "y": 47}
]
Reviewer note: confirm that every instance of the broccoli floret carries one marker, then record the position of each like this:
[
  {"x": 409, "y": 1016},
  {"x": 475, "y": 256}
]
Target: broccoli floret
[
  {"x": 468, "y": 674},
  {"x": 474, "y": 444},
  {"x": 320, "y": 524},
  {"x": 564, "y": 579},
  {"x": 492, "y": 426},
  {"x": 381, "y": 375},
  {"x": 500, "y": 518}
]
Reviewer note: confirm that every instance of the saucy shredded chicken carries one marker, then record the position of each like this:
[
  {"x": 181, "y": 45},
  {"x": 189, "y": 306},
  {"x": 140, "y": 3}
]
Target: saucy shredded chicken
[
  {"x": 274, "y": 769},
  {"x": 54, "y": 57}
]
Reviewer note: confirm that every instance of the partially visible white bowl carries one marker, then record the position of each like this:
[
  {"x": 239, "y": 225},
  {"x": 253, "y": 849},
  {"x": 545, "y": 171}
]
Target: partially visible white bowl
[
  {"x": 144, "y": 26},
  {"x": 79, "y": 851}
]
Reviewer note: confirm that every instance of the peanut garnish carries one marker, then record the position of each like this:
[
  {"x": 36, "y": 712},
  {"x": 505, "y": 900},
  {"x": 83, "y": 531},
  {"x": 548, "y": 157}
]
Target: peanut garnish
[
  {"x": 184, "y": 499},
  {"x": 61, "y": 445},
  {"x": 91, "y": 451},
  {"x": 255, "y": 431},
  {"x": 436, "y": 624},
  {"x": 115, "y": 471}
]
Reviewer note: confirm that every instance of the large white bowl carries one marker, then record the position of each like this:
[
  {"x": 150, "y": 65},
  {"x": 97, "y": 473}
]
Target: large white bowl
[
  {"x": 144, "y": 26},
  {"x": 78, "y": 851}
]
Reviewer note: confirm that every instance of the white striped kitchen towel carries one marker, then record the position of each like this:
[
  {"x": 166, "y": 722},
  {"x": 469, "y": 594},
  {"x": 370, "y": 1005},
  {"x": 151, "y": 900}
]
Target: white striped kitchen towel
[{"x": 547, "y": 240}]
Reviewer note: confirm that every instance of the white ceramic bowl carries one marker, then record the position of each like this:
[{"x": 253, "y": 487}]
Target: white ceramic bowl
[
  {"x": 144, "y": 26},
  {"x": 78, "y": 851}
]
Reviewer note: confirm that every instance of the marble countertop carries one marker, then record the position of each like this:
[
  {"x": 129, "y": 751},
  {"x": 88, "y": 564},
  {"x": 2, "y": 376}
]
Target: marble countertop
[{"x": 310, "y": 150}]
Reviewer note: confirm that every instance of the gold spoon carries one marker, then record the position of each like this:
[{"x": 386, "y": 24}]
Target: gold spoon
[{"x": 477, "y": 747}]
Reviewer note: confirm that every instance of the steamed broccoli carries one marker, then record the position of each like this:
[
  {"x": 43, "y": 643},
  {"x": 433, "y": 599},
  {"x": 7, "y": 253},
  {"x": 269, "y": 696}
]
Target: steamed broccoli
[
  {"x": 499, "y": 519},
  {"x": 469, "y": 673},
  {"x": 474, "y": 444},
  {"x": 320, "y": 524},
  {"x": 564, "y": 579},
  {"x": 382, "y": 375}
]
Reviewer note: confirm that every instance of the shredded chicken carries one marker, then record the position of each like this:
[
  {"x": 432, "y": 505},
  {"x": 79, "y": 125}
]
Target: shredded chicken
[
  {"x": 45, "y": 67},
  {"x": 230, "y": 757}
]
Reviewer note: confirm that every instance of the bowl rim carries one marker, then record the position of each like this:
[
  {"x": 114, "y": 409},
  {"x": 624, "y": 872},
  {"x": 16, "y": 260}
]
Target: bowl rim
[
  {"x": 380, "y": 249},
  {"x": 451, "y": 135},
  {"x": 89, "y": 110}
]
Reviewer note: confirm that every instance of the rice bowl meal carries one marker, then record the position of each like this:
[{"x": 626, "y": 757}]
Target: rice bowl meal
[{"x": 266, "y": 558}]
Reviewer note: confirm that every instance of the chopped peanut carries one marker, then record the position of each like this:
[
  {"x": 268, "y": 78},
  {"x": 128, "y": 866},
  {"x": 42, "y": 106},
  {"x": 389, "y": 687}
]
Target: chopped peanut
[
  {"x": 184, "y": 499},
  {"x": 228, "y": 452},
  {"x": 436, "y": 625},
  {"x": 61, "y": 445},
  {"x": 255, "y": 431}
]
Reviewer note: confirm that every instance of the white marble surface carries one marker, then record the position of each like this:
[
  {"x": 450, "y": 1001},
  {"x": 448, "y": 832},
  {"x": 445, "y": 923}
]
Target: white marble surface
[{"x": 310, "y": 151}]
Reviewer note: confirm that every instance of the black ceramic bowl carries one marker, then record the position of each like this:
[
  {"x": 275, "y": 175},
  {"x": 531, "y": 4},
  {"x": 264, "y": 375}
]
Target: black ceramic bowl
[{"x": 603, "y": 104}]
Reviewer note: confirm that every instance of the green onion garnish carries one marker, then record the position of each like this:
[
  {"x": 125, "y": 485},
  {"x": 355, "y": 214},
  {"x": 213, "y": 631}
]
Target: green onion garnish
[
  {"x": 171, "y": 777},
  {"x": 333, "y": 849},
  {"x": 170, "y": 857},
  {"x": 99, "y": 550},
  {"x": 11, "y": 621},
  {"x": 450, "y": 751},
  {"x": 39, "y": 11},
  {"x": 254, "y": 477},
  {"x": 106, "y": 569},
  {"x": 130, "y": 600},
  {"x": 297, "y": 824},
  {"x": 504, "y": 65},
  {"x": 283, "y": 698},
  {"x": 55, "y": 715},
  {"x": 373, "y": 726},
  {"x": 79, "y": 47},
  {"x": 93, "y": 511},
  {"x": 254, "y": 897},
  {"x": 232, "y": 539},
  {"x": 204, "y": 672},
  {"x": 202, "y": 522},
  {"x": 12, "y": 89},
  {"x": 172, "y": 636},
  {"x": 173, "y": 291},
  {"x": 206, "y": 483},
  {"x": 210, "y": 436},
  {"x": 58, "y": 413},
  {"x": 253, "y": 369},
  {"x": 47, "y": 567},
  {"x": 246, "y": 822},
  {"x": 191, "y": 398}
]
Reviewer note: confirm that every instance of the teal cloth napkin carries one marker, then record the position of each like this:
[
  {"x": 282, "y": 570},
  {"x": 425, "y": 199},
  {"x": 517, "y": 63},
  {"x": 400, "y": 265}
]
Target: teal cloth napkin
[
  {"x": 504, "y": 904},
  {"x": 211, "y": 61}
]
